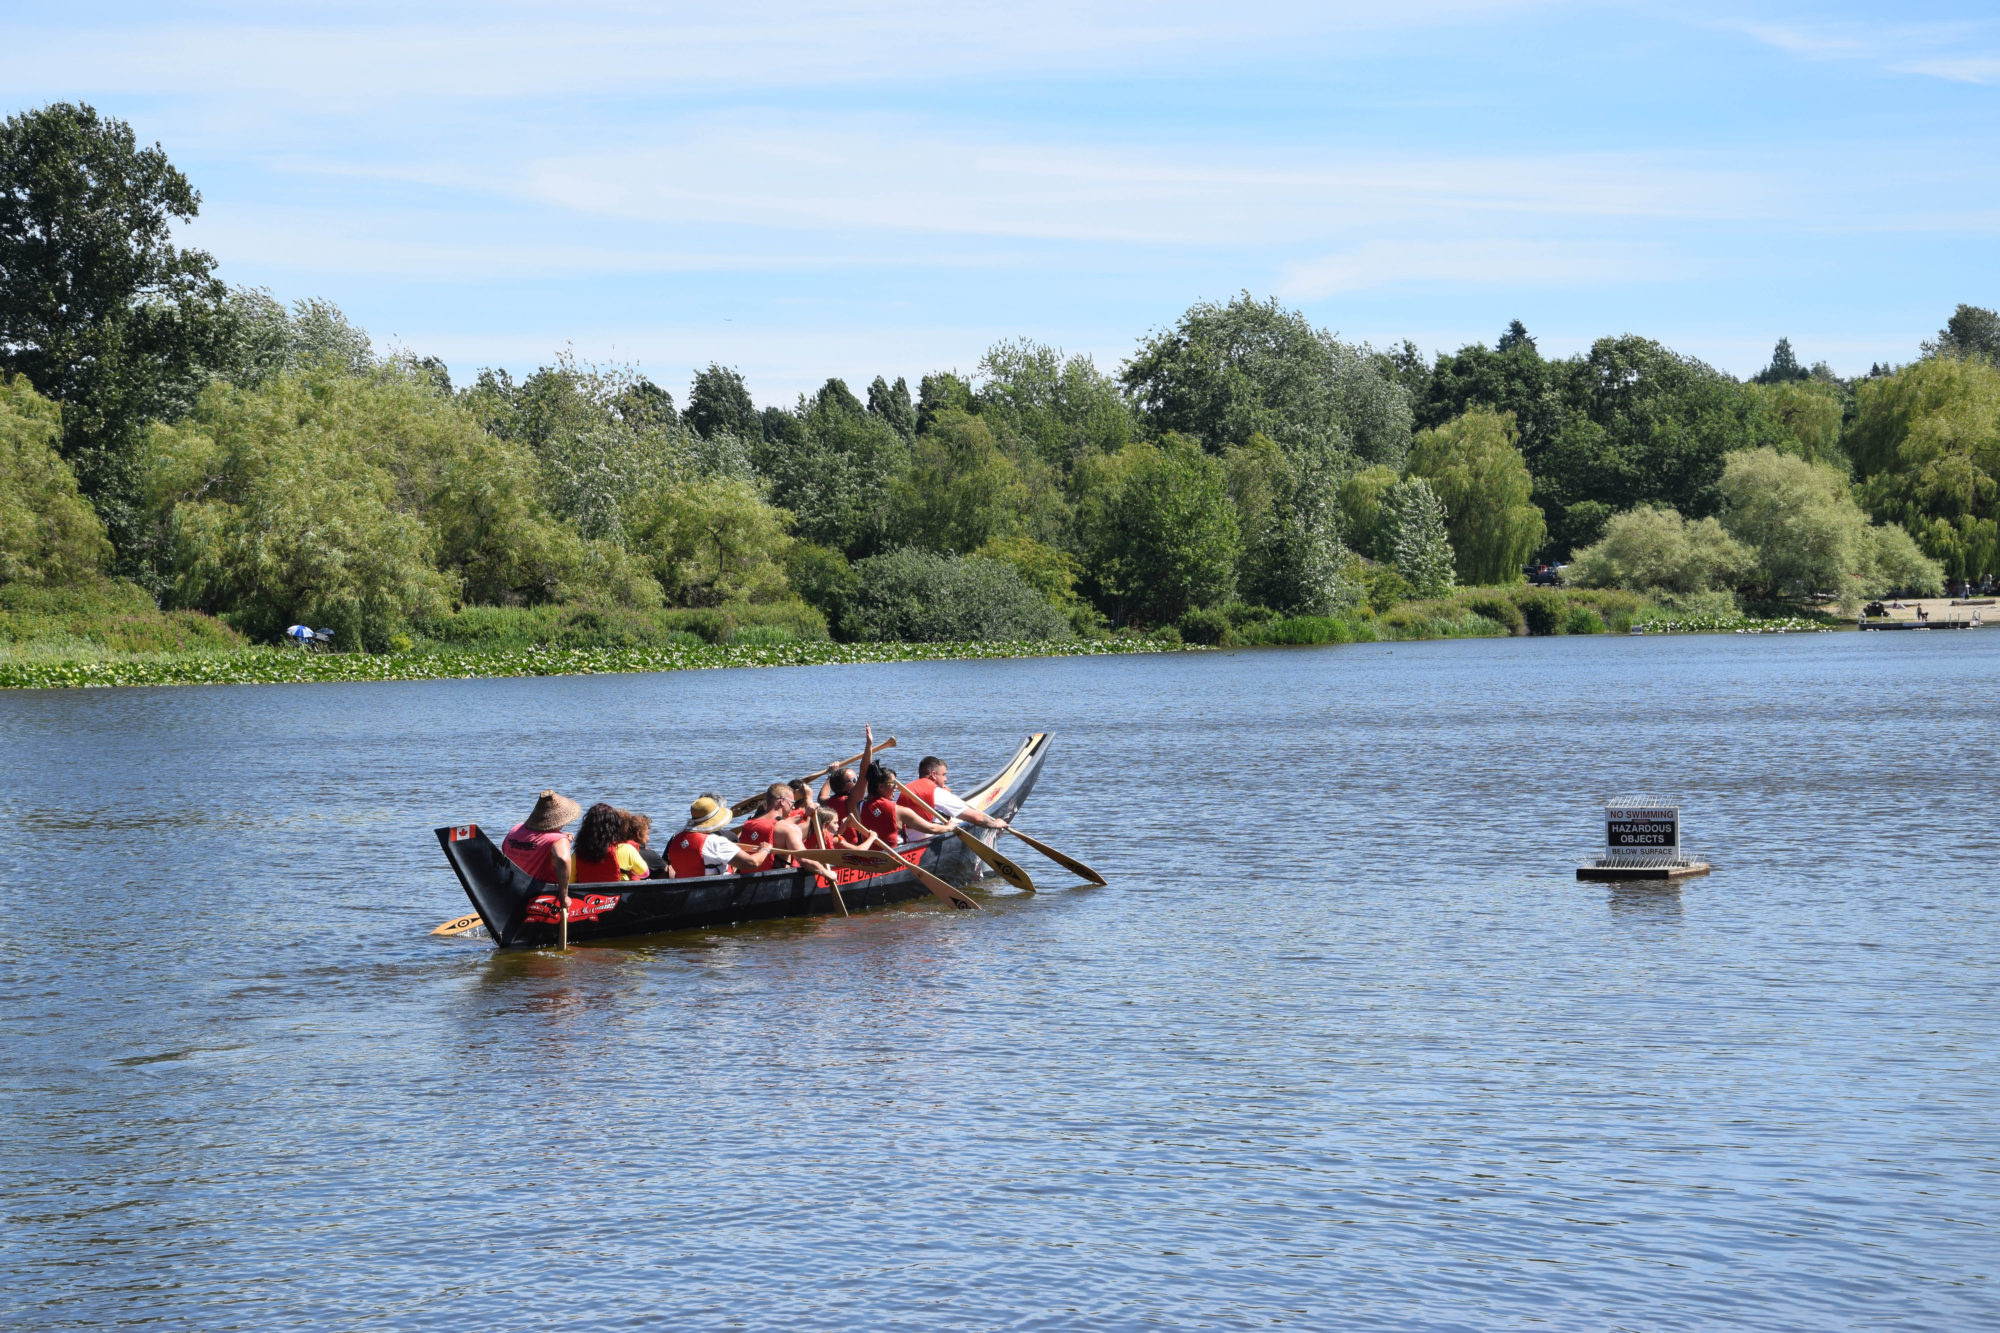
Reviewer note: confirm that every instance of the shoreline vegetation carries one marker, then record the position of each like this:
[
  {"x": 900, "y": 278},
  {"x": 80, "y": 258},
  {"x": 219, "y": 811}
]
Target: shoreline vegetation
[
  {"x": 192, "y": 473},
  {"x": 187, "y": 649}
]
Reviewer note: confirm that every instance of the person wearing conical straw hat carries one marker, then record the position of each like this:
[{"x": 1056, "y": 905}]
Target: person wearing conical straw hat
[
  {"x": 538, "y": 844},
  {"x": 699, "y": 850}
]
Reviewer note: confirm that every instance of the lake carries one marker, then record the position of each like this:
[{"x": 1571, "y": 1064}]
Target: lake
[{"x": 1344, "y": 1042}]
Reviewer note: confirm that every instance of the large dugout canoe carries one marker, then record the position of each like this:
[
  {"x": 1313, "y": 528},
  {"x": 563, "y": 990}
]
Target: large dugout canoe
[{"x": 520, "y": 910}]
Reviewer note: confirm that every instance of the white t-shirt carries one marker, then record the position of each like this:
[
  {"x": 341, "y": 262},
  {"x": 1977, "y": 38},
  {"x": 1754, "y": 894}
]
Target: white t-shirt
[
  {"x": 948, "y": 806},
  {"x": 716, "y": 854}
]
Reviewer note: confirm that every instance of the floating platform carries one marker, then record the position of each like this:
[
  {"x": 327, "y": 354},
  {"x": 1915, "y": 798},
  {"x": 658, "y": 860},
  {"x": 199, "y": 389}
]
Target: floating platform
[
  {"x": 1619, "y": 873},
  {"x": 1872, "y": 626}
]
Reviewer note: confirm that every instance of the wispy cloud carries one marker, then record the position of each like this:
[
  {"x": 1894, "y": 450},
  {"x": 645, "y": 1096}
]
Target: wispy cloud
[
  {"x": 1936, "y": 50},
  {"x": 669, "y": 50}
]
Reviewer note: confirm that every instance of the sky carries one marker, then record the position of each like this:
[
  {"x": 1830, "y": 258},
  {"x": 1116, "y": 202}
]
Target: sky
[{"x": 807, "y": 190}]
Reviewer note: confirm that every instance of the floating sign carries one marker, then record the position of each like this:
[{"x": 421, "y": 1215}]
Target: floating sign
[{"x": 1647, "y": 829}]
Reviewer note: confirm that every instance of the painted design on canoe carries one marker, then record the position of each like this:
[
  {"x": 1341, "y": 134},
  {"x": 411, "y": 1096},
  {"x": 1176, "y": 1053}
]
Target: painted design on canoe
[{"x": 518, "y": 910}]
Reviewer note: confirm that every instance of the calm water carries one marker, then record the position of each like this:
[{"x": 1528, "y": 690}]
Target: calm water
[{"x": 1343, "y": 1043}]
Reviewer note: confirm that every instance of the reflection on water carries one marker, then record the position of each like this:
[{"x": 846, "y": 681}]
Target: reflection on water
[
  {"x": 1654, "y": 902},
  {"x": 1343, "y": 1043}
]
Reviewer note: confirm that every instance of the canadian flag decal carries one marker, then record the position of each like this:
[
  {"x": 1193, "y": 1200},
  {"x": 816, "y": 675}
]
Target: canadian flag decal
[{"x": 463, "y": 831}]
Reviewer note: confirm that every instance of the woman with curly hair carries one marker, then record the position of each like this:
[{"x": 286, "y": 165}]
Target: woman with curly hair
[{"x": 602, "y": 854}]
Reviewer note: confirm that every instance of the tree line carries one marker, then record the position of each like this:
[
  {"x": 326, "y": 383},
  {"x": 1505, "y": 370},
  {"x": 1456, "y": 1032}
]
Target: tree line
[{"x": 264, "y": 463}]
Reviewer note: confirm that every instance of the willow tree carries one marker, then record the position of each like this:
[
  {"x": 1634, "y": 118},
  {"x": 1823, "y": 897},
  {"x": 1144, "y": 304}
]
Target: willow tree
[{"x": 1476, "y": 469}]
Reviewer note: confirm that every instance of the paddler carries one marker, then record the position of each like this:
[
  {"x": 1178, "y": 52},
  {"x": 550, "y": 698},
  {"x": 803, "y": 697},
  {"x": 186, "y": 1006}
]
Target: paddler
[
  {"x": 776, "y": 825},
  {"x": 538, "y": 844},
  {"x": 933, "y": 789},
  {"x": 881, "y": 815},
  {"x": 698, "y": 850}
]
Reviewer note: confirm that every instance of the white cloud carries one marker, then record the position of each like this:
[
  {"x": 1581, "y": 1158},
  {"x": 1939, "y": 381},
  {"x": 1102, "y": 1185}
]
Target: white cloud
[
  {"x": 485, "y": 51},
  {"x": 1935, "y": 50}
]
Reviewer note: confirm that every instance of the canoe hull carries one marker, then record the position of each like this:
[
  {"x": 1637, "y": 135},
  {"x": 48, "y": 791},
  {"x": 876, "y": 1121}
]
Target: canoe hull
[{"x": 518, "y": 910}]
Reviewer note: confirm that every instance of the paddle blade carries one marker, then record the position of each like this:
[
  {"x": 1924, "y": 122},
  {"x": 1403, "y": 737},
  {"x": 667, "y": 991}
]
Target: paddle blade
[
  {"x": 1069, "y": 863},
  {"x": 458, "y": 925},
  {"x": 1003, "y": 867}
]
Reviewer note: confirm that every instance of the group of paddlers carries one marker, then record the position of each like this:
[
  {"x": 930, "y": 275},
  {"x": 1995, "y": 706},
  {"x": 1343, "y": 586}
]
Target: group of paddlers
[{"x": 856, "y": 808}]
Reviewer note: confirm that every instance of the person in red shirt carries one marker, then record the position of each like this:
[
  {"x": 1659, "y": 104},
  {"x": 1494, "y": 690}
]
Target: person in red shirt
[
  {"x": 934, "y": 790},
  {"x": 884, "y": 817},
  {"x": 776, "y": 825},
  {"x": 698, "y": 850}
]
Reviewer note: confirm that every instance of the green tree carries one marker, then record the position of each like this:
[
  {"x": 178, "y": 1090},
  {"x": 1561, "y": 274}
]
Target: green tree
[
  {"x": 1808, "y": 414},
  {"x": 1473, "y": 465},
  {"x": 959, "y": 491},
  {"x": 1362, "y": 515},
  {"x": 1227, "y": 372},
  {"x": 940, "y": 393},
  {"x": 925, "y": 596},
  {"x": 1926, "y": 446},
  {"x": 1810, "y": 538},
  {"x": 49, "y": 535},
  {"x": 1060, "y": 408},
  {"x": 1651, "y": 549},
  {"x": 1421, "y": 548},
  {"x": 890, "y": 403},
  {"x": 98, "y": 308},
  {"x": 1784, "y": 366},
  {"x": 1972, "y": 331},
  {"x": 719, "y": 404},
  {"x": 831, "y": 464},
  {"x": 1162, "y": 532},
  {"x": 823, "y": 578},
  {"x": 713, "y": 541}
]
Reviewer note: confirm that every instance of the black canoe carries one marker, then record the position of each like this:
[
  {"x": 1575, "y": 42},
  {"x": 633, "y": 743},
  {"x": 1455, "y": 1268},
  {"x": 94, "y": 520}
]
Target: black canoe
[{"x": 520, "y": 910}]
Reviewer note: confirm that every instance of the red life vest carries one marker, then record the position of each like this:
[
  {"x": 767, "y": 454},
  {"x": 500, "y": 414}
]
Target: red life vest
[
  {"x": 924, "y": 790},
  {"x": 534, "y": 852},
  {"x": 684, "y": 854},
  {"x": 759, "y": 832},
  {"x": 602, "y": 872},
  {"x": 879, "y": 817}
]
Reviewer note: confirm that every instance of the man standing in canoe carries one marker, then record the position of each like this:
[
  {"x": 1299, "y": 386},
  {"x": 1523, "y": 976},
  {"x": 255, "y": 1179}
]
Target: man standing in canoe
[
  {"x": 698, "y": 850},
  {"x": 932, "y": 789},
  {"x": 538, "y": 845}
]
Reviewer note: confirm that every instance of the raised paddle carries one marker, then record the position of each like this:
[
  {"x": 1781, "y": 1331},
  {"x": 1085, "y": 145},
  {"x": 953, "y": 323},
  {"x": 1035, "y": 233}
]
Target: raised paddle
[
  {"x": 1003, "y": 867},
  {"x": 938, "y": 887},
  {"x": 749, "y": 803}
]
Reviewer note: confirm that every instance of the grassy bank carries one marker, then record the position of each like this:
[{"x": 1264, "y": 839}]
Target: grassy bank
[
  {"x": 1492, "y": 613},
  {"x": 113, "y": 638},
  {"x": 32, "y": 669}
]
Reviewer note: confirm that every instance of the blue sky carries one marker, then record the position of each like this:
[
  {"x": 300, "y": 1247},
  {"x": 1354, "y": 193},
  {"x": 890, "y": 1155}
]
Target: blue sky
[{"x": 807, "y": 190}]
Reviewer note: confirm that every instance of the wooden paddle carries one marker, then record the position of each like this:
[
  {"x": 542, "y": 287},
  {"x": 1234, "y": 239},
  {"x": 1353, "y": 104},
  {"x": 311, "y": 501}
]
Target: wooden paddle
[
  {"x": 1002, "y": 866},
  {"x": 749, "y": 803},
  {"x": 938, "y": 887},
  {"x": 458, "y": 925},
  {"x": 1069, "y": 863}
]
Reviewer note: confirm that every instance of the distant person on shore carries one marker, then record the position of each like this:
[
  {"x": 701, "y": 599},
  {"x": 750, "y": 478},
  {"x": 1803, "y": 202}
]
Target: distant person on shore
[
  {"x": 699, "y": 850},
  {"x": 602, "y": 854},
  {"x": 538, "y": 844}
]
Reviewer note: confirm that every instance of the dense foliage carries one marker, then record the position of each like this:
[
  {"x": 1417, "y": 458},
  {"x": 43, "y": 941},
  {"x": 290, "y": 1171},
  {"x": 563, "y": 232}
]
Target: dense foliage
[{"x": 236, "y": 458}]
